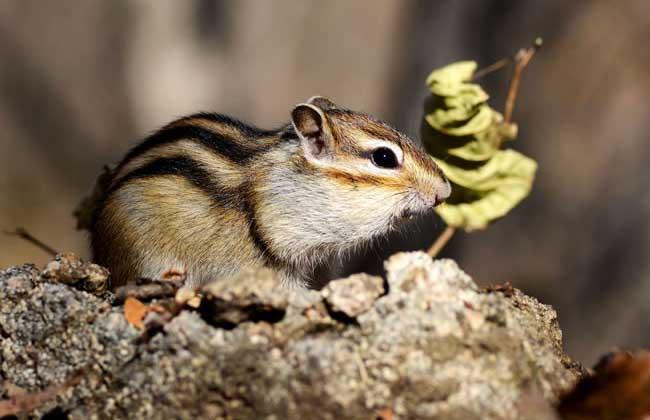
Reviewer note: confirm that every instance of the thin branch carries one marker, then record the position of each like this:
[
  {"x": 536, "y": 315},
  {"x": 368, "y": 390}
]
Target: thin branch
[
  {"x": 442, "y": 240},
  {"x": 146, "y": 289},
  {"x": 522, "y": 58},
  {"x": 497, "y": 65},
  {"x": 23, "y": 234}
]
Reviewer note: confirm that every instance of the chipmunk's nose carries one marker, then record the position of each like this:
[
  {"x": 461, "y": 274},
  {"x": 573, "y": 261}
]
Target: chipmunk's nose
[
  {"x": 445, "y": 192},
  {"x": 437, "y": 195}
]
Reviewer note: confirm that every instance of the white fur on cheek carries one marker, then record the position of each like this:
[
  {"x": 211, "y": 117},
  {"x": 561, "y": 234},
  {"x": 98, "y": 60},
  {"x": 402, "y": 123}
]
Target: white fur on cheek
[{"x": 308, "y": 218}]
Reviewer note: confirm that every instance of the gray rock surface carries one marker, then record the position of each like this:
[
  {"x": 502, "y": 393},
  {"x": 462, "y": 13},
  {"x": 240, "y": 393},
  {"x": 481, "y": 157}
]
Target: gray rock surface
[{"x": 431, "y": 346}]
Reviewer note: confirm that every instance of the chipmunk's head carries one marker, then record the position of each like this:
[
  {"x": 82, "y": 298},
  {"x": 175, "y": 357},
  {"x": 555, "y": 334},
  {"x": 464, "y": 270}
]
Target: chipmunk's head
[
  {"x": 362, "y": 176},
  {"x": 384, "y": 172}
]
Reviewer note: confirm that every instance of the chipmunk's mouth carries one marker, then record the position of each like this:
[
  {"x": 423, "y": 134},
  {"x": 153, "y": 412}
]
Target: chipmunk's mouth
[{"x": 415, "y": 206}]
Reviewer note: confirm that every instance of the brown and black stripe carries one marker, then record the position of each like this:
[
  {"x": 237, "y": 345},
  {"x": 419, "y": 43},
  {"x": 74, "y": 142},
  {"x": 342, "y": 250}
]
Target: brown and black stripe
[{"x": 222, "y": 142}]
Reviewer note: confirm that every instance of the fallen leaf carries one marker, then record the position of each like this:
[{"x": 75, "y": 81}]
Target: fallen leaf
[
  {"x": 134, "y": 312},
  {"x": 385, "y": 414},
  {"x": 618, "y": 389}
]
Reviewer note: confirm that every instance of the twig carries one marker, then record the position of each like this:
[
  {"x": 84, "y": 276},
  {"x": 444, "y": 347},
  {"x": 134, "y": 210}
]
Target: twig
[
  {"x": 497, "y": 65},
  {"x": 442, "y": 240},
  {"x": 152, "y": 290},
  {"x": 522, "y": 58},
  {"x": 23, "y": 234}
]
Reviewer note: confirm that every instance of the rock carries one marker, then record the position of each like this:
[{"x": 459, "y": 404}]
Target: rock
[
  {"x": 68, "y": 268},
  {"x": 431, "y": 346},
  {"x": 250, "y": 296},
  {"x": 354, "y": 295},
  {"x": 49, "y": 332}
]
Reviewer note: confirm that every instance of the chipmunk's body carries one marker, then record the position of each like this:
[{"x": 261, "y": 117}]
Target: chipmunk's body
[{"x": 207, "y": 196}]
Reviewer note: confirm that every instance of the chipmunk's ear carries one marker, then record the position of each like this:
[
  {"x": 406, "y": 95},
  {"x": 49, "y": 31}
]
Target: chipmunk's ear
[
  {"x": 322, "y": 102},
  {"x": 313, "y": 128}
]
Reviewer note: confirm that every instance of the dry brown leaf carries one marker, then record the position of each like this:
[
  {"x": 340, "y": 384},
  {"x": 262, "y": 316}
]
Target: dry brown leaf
[
  {"x": 619, "y": 389},
  {"x": 134, "y": 312},
  {"x": 385, "y": 414}
]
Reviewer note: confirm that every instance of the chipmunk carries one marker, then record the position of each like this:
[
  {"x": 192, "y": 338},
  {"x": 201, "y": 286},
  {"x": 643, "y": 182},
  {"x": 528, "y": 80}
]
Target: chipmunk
[{"x": 208, "y": 196}]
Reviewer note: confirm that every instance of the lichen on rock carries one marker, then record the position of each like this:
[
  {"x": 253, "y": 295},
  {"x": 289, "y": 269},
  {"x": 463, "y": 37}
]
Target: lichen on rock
[{"x": 430, "y": 345}]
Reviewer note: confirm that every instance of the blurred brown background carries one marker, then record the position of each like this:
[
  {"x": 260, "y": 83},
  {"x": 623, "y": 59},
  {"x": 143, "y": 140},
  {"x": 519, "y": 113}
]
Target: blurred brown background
[{"x": 81, "y": 81}]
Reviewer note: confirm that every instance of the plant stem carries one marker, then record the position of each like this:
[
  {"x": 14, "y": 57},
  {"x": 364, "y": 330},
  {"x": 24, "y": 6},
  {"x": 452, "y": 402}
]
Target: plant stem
[
  {"x": 497, "y": 65},
  {"x": 441, "y": 241},
  {"x": 521, "y": 58}
]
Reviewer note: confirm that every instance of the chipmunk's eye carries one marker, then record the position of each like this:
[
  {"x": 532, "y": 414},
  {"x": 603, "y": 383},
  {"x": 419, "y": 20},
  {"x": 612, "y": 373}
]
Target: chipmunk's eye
[{"x": 384, "y": 158}]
